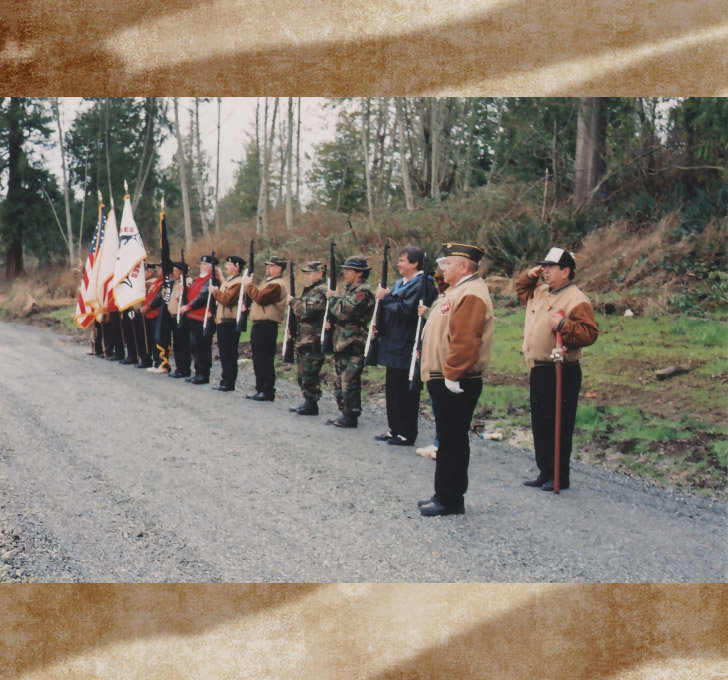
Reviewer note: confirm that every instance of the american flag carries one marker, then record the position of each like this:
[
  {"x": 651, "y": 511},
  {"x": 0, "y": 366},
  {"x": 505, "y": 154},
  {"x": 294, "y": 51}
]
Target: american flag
[{"x": 85, "y": 309}]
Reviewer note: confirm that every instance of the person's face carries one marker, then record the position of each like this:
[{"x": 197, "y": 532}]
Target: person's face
[
  {"x": 176, "y": 274},
  {"x": 231, "y": 269},
  {"x": 272, "y": 270},
  {"x": 453, "y": 269},
  {"x": 309, "y": 278},
  {"x": 406, "y": 268},
  {"x": 350, "y": 276},
  {"x": 205, "y": 268},
  {"x": 554, "y": 276}
]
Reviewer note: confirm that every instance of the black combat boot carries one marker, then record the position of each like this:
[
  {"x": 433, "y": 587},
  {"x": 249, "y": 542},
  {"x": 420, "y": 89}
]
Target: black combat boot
[
  {"x": 345, "y": 420},
  {"x": 308, "y": 408}
]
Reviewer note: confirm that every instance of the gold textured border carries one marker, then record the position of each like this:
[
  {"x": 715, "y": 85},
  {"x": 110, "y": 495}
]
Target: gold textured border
[
  {"x": 367, "y": 631},
  {"x": 364, "y": 47}
]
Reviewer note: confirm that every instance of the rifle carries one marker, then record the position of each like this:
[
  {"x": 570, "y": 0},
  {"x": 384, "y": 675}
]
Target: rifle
[
  {"x": 183, "y": 290},
  {"x": 414, "y": 375},
  {"x": 208, "y": 328},
  {"x": 371, "y": 349},
  {"x": 291, "y": 323},
  {"x": 244, "y": 298},
  {"x": 327, "y": 336}
]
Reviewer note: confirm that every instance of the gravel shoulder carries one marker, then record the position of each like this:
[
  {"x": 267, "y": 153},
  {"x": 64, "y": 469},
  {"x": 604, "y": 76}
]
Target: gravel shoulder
[{"x": 111, "y": 474}]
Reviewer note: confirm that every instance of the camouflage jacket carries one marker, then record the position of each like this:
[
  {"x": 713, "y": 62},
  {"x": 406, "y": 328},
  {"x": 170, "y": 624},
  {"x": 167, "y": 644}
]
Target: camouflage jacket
[
  {"x": 351, "y": 312},
  {"x": 309, "y": 310}
]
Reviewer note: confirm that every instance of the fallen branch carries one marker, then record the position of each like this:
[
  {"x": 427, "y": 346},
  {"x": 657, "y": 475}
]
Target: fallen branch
[{"x": 671, "y": 371}]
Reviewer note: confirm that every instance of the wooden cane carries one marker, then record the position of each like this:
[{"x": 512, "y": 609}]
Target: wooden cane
[{"x": 557, "y": 429}]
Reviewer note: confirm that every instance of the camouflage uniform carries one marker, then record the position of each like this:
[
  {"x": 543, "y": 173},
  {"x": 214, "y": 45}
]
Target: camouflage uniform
[
  {"x": 309, "y": 310},
  {"x": 351, "y": 312}
]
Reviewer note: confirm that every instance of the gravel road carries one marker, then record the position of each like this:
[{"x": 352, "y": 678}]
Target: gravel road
[{"x": 112, "y": 474}]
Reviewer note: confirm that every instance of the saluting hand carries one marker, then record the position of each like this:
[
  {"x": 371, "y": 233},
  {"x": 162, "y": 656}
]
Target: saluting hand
[{"x": 535, "y": 272}]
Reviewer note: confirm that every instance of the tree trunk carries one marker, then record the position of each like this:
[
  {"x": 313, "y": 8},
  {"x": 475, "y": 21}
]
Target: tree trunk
[
  {"x": 217, "y": 169},
  {"x": 64, "y": 171},
  {"x": 589, "y": 160},
  {"x": 289, "y": 176},
  {"x": 365, "y": 147},
  {"x": 106, "y": 149},
  {"x": 145, "y": 165},
  {"x": 404, "y": 167},
  {"x": 199, "y": 172},
  {"x": 12, "y": 214},
  {"x": 469, "y": 148},
  {"x": 262, "y": 225},
  {"x": 298, "y": 157},
  {"x": 182, "y": 176},
  {"x": 435, "y": 137}
]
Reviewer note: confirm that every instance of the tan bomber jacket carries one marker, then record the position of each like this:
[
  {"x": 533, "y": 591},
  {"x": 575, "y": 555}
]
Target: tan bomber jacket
[{"x": 269, "y": 302}]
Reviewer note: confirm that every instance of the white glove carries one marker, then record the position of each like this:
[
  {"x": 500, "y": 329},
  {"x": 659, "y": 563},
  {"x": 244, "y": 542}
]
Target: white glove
[{"x": 453, "y": 386}]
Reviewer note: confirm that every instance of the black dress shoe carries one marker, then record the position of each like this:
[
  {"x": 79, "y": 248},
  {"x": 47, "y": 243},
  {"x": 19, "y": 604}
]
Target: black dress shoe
[
  {"x": 260, "y": 396},
  {"x": 437, "y": 509},
  {"x": 429, "y": 500},
  {"x": 177, "y": 374},
  {"x": 223, "y": 388},
  {"x": 115, "y": 357},
  {"x": 346, "y": 420},
  {"x": 383, "y": 437},
  {"x": 399, "y": 440},
  {"x": 539, "y": 481},
  {"x": 144, "y": 364},
  {"x": 549, "y": 486},
  {"x": 128, "y": 361},
  {"x": 200, "y": 380}
]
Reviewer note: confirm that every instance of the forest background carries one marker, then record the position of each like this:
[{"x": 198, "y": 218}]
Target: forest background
[{"x": 637, "y": 187}]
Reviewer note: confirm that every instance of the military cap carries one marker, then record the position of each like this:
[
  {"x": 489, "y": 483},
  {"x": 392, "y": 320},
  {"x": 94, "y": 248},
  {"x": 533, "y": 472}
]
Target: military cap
[
  {"x": 561, "y": 257},
  {"x": 462, "y": 250},
  {"x": 238, "y": 261},
  {"x": 358, "y": 263},
  {"x": 314, "y": 266},
  {"x": 277, "y": 260},
  {"x": 182, "y": 266},
  {"x": 210, "y": 259},
  {"x": 153, "y": 264}
]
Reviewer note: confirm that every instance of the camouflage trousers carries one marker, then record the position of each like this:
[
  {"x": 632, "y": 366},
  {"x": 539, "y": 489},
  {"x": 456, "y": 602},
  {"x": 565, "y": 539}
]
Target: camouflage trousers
[
  {"x": 349, "y": 365},
  {"x": 309, "y": 361}
]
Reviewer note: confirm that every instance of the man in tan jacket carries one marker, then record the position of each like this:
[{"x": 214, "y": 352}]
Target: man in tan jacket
[
  {"x": 266, "y": 313},
  {"x": 555, "y": 305},
  {"x": 455, "y": 352}
]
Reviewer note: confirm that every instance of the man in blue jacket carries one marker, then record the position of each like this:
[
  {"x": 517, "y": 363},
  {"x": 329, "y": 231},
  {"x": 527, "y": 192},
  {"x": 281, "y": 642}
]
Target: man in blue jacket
[{"x": 396, "y": 331}]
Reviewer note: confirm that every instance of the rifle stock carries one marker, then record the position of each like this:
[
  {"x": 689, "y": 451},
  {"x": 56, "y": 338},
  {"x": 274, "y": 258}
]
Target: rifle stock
[
  {"x": 207, "y": 324},
  {"x": 327, "y": 336},
  {"x": 414, "y": 373},
  {"x": 291, "y": 331},
  {"x": 244, "y": 299},
  {"x": 371, "y": 349}
]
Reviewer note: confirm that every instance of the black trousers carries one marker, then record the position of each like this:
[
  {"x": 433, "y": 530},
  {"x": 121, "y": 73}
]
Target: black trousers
[
  {"x": 181, "y": 345},
  {"x": 543, "y": 416},
  {"x": 127, "y": 326},
  {"x": 227, "y": 343},
  {"x": 403, "y": 404},
  {"x": 201, "y": 346},
  {"x": 144, "y": 339},
  {"x": 263, "y": 343},
  {"x": 113, "y": 339},
  {"x": 453, "y": 413}
]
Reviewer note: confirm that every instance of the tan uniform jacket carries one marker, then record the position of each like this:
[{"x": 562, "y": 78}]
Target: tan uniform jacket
[
  {"x": 579, "y": 328},
  {"x": 269, "y": 302},
  {"x": 459, "y": 332},
  {"x": 227, "y": 299}
]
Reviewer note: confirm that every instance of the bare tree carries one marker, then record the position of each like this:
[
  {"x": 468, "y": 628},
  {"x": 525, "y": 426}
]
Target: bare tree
[
  {"x": 64, "y": 170},
  {"x": 365, "y": 146},
  {"x": 404, "y": 164},
  {"x": 182, "y": 175},
  {"x": 217, "y": 169},
  {"x": 147, "y": 160},
  {"x": 262, "y": 224},
  {"x": 289, "y": 175},
  {"x": 298, "y": 156},
  {"x": 589, "y": 160},
  {"x": 199, "y": 170}
]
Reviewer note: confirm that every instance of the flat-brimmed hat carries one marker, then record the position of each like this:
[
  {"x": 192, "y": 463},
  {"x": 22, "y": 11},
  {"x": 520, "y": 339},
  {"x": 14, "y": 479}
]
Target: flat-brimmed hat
[
  {"x": 238, "y": 261},
  {"x": 314, "y": 266},
  {"x": 277, "y": 260},
  {"x": 462, "y": 250},
  {"x": 152, "y": 264},
  {"x": 210, "y": 260},
  {"x": 358, "y": 263},
  {"x": 559, "y": 256},
  {"x": 182, "y": 266}
]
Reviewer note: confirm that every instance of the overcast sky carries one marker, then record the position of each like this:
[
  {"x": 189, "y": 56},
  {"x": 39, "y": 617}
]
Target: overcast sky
[{"x": 237, "y": 125}]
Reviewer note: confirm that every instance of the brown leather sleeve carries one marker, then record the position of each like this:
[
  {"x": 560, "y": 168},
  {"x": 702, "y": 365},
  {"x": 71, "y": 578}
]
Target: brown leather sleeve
[
  {"x": 580, "y": 329},
  {"x": 267, "y": 295},
  {"x": 467, "y": 322},
  {"x": 525, "y": 287},
  {"x": 229, "y": 296}
]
